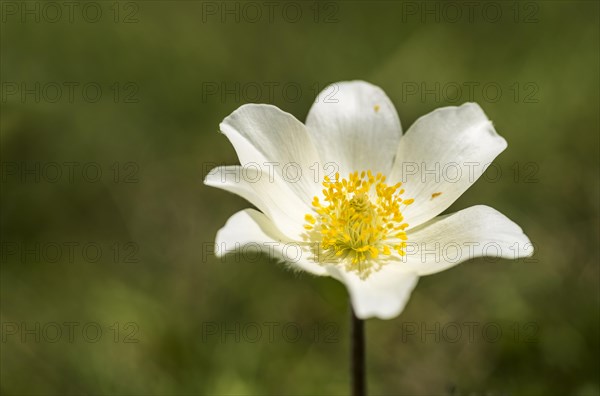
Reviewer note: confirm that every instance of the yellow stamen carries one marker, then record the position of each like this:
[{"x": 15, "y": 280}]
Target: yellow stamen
[{"x": 359, "y": 220}]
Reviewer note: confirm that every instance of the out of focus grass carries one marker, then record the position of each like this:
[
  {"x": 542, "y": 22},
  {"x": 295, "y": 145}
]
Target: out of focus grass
[{"x": 171, "y": 293}]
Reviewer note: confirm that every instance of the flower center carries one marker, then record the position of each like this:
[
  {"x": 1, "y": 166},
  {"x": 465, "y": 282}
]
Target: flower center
[{"x": 360, "y": 219}]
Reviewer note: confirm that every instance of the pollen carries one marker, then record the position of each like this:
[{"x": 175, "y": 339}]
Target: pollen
[{"x": 359, "y": 223}]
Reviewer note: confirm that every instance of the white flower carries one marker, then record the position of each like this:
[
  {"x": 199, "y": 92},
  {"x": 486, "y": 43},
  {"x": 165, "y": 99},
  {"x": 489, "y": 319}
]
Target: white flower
[{"x": 347, "y": 195}]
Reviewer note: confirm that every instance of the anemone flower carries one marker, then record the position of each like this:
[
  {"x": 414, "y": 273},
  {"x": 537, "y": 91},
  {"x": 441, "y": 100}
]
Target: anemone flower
[{"x": 348, "y": 195}]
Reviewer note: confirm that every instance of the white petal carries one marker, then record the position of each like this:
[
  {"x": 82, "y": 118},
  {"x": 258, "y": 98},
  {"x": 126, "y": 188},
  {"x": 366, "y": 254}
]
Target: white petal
[
  {"x": 383, "y": 294},
  {"x": 277, "y": 142},
  {"x": 251, "y": 229},
  {"x": 441, "y": 155},
  {"x": 473, "y": 232},
  {"x": 355, "y": 125},
  {"x": 267, "y": 192}
]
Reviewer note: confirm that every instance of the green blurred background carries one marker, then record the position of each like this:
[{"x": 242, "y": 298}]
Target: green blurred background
[{"x": 164, "y": 305}]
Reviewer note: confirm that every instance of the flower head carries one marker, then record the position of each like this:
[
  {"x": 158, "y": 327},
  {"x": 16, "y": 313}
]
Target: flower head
[{"x": 347, "y": 195}]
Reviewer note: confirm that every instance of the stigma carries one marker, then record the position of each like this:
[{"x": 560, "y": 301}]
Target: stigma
[{"x": 358, "y": 223}]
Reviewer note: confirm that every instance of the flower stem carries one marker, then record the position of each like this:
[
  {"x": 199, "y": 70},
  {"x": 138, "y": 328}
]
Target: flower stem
[{"x": 357, "y": 340}]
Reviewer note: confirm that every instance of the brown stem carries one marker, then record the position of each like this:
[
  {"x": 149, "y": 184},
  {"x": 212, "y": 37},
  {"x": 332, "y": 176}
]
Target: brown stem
[{"x": 357, "y": 340}]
